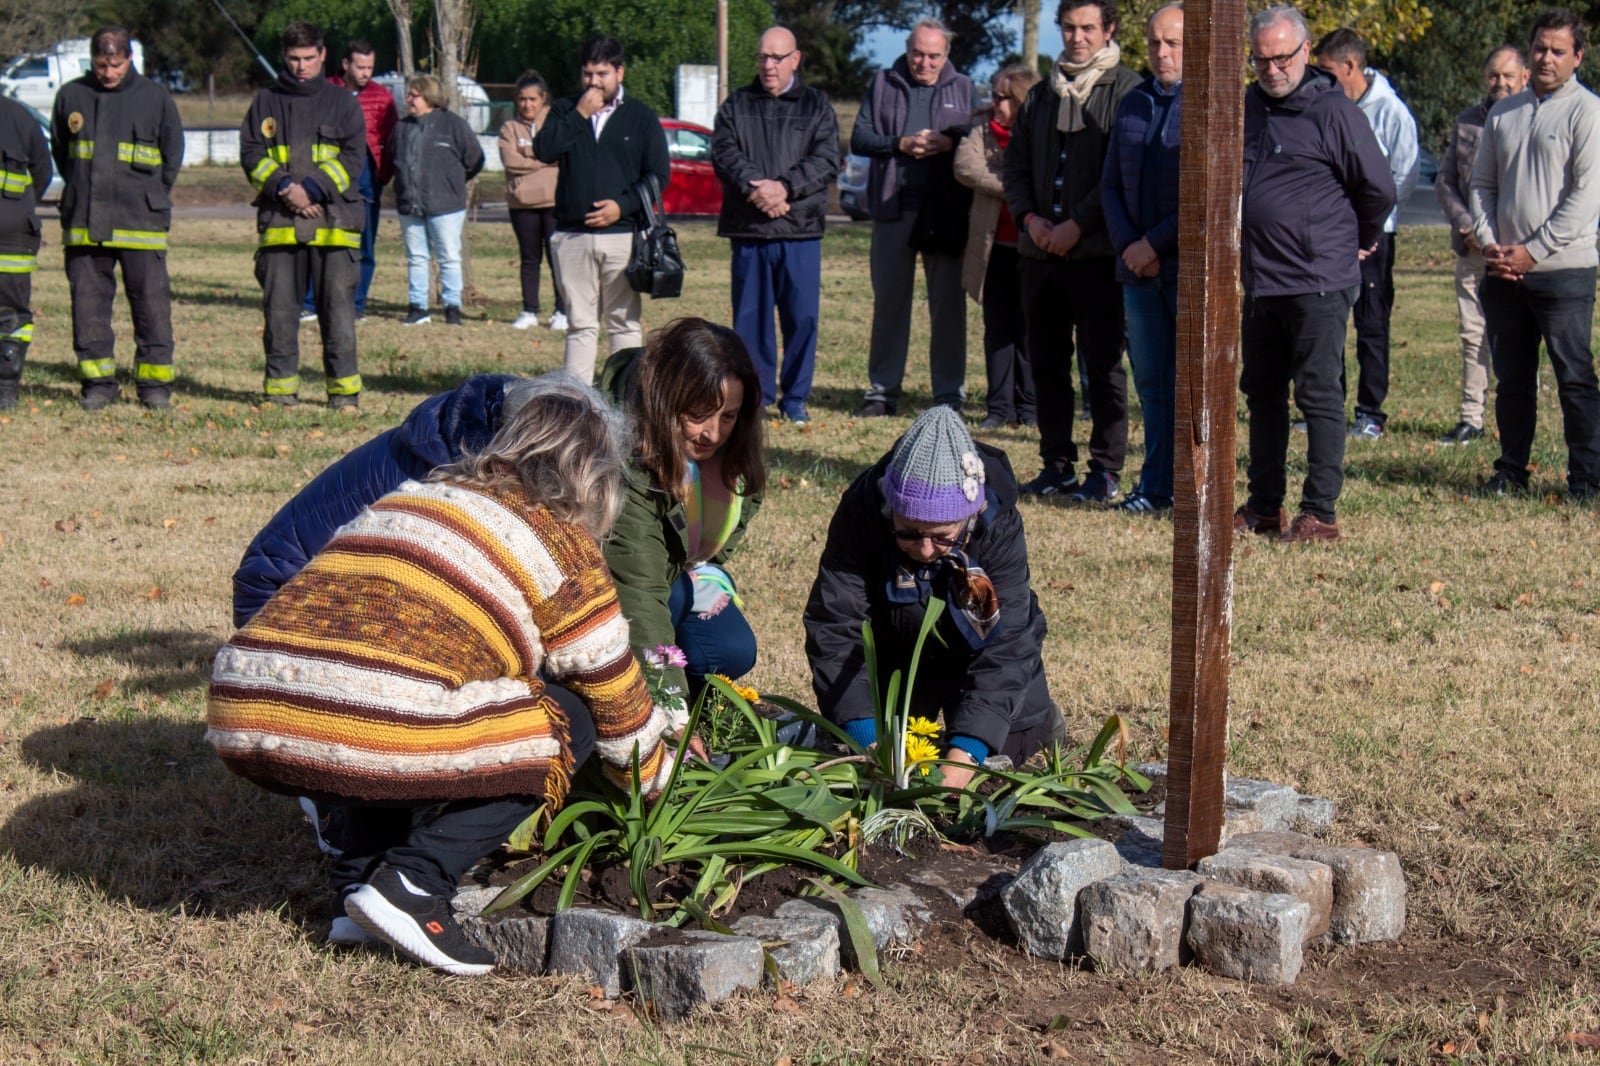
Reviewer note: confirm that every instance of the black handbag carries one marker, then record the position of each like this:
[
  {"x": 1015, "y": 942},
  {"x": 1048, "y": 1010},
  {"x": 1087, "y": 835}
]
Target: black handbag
[{"x": 656, "y": 266}]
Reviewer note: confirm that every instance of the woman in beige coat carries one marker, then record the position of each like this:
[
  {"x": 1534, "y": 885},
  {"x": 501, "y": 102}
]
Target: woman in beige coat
[
  {"x": 989, "y": 272},
  {"x": 531, "y": 196}
]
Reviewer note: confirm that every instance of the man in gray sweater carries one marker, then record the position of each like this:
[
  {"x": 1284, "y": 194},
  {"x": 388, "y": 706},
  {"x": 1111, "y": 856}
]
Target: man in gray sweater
[{"x": 1535, "y": 208}]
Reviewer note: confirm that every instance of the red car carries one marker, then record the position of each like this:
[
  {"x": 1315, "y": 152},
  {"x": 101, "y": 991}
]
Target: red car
[{"x": 694, "y": 188}]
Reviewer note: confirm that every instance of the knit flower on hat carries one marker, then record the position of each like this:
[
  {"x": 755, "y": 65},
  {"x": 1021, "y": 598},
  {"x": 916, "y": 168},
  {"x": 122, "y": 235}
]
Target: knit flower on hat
[{"x": 972, "y": 467}]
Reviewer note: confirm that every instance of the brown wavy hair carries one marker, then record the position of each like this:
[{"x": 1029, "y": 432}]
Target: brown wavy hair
[{"x": 681, "y": 373}]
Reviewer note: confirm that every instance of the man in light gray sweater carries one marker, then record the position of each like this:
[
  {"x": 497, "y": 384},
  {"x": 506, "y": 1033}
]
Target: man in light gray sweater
[{"x": 1535, "y": 208}]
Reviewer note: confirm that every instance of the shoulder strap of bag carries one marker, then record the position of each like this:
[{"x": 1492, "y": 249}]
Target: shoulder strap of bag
[{"x": 648, "y": 189}]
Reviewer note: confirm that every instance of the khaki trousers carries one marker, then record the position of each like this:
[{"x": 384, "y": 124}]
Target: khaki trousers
[
  {"x": 590, "y": 270},
  {"x": 1474, "y": 352}
]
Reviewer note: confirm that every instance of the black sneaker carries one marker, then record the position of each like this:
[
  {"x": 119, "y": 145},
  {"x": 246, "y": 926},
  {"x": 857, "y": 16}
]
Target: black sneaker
[
  {"x": 417, "y": 316},
  {"x": 1366, "y": 428},
  {"x": 1464, "y": 433},
  {"x": 452, "y": 316},
  {"x": 991, "y": 423},
  {"x": 1051, "y": 481},
  {"x": 1099, "y": 486},
  {"x": 1138, "y": 503},
  {"x": 873, "y": 409},
  {"x": 415, "y": 924},
  {"x": 1501, "y": 484}
]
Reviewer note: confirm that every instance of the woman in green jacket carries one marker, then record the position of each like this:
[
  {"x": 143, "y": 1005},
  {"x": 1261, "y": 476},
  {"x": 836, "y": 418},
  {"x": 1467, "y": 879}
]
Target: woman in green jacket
[{"x": 695, "y": 482}]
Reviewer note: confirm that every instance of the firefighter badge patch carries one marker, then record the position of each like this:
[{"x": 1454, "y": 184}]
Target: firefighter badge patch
[
  {"x": 75, "y": 122},
  {"x": 269, "y": 127}
]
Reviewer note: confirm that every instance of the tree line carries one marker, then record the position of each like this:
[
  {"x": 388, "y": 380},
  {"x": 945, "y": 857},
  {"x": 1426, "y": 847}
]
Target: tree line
[{"x": 1433, "y": 53}]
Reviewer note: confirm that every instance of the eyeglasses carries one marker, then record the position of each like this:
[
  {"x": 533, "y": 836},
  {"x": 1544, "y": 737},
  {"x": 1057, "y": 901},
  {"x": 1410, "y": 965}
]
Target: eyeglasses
[
  {"x": 763, "y": 58},
  {"x": 1281, "y": 62},
  {"x": 911, "y": 536}
]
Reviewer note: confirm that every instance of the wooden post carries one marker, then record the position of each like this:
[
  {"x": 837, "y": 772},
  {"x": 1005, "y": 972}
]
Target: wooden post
[{"x": 1208, "y": 378}]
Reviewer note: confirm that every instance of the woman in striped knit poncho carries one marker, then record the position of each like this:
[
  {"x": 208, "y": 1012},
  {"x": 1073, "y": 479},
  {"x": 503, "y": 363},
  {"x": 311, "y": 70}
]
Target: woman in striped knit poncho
[{"x": 403, "y": 673}]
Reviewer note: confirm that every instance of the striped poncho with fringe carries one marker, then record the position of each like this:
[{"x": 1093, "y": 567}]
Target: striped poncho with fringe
[{"x": 402, "y": 664}]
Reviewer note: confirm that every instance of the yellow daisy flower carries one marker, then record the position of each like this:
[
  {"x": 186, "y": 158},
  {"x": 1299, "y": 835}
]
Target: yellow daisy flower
[
  {"x": 920, "y": 749},
  {"x": 922, "y": 727}
]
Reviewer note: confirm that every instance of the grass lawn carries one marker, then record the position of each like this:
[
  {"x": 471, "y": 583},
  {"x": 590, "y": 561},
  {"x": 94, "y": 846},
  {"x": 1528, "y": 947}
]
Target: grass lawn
[{"x": 1437, "y": 673}]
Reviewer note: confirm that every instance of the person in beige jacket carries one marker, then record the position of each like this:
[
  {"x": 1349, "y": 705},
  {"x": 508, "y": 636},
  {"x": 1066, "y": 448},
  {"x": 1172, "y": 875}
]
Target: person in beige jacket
[
  {"x": 531, "y": 196},
  {"x": 989, "y": 269}
]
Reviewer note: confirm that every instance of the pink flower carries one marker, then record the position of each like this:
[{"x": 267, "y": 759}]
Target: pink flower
[{"x": 669, "y": 655}]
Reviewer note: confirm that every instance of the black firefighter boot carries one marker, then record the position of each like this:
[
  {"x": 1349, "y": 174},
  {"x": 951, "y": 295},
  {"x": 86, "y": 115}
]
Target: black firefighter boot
[{"x": 12, "y": 354}]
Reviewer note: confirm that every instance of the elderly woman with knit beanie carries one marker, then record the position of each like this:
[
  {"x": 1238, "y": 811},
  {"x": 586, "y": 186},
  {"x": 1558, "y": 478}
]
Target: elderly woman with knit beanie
[
  {"x": 443, "y": 665},
  {"x": 935, "y": 518}
]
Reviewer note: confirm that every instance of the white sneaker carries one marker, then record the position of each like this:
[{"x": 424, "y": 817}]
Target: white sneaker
[
  {"x": 526, "y": 320},
  {"x": 307, "y": 316},
  {"x": 558, "y": 322}
]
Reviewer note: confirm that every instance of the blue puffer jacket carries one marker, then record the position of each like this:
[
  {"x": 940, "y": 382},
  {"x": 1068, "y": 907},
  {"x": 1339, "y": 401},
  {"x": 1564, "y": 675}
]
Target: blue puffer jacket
[{"x": 438, "y": 431}]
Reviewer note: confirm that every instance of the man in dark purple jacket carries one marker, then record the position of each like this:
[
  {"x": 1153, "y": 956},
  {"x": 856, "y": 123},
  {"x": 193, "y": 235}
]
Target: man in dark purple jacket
[
  {"x": 1316, "y": 192},
  {"x": 916, "y": 112}
]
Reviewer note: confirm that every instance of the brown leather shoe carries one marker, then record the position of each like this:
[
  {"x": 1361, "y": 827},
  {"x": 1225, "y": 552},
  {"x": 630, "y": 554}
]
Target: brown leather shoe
[
  {"x": 1309, "y": 529},
  {"x": 1246, "y": 520}
]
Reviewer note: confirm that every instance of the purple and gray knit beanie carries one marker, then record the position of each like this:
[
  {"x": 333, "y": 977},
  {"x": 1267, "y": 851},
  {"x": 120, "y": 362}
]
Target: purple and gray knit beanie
[{"x": 935, "y": 473}]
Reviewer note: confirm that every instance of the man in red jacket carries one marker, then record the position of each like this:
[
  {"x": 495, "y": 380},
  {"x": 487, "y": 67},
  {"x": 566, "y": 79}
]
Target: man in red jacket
[{"x": 377, "y": 107}]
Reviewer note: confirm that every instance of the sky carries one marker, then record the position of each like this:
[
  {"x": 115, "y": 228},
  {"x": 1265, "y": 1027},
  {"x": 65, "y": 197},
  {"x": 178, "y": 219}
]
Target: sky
[{"x": 884, "y": 45}]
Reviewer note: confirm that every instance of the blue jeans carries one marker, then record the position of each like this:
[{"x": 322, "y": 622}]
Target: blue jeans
[
  {"x": 786, "y": 275},
  {"x": 722, "y": 644},
  {"x": 373, "y": 192},
  {"x": 440, "y": 235},
  {"x": 1150, "y": 309}
]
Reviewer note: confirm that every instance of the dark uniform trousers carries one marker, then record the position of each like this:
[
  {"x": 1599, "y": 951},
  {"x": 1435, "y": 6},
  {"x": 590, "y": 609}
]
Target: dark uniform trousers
[
  {"x": 92, "y": 279},
  {"x": 16, "y": 322},
  {"x": 284, "y": 271}
]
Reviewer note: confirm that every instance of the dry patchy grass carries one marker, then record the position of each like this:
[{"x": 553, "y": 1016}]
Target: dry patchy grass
[{"x": 1436, "y": 674}]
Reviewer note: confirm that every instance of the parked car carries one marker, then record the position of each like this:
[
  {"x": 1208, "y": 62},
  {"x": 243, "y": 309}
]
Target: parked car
[
  {"x": 52, "y": 194},
  {"x": 35, "y": 78},
  {"x": 853, "y": 187},
  {"x": 694, "y": 188},
  {"x": 1428, "y": 167},
  {"x": 474, "y": 101}
]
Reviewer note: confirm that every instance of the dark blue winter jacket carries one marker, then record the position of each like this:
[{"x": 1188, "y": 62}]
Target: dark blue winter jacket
[
  {"x": 438, "y": 431},
  {"x": 1139, "y": 185}
]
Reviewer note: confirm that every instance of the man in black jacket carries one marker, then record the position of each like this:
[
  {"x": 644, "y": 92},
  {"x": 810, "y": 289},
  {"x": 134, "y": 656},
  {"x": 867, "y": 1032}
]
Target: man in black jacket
[
  {"x": 606, "y": 142},
  {"x": 24, "y": 148},
  {"x": 1068, "y": 266},
  {"x": 118, "y": 144},
  {"x": 776, "y": 150},
  {"x": 1316, "y": 191}
]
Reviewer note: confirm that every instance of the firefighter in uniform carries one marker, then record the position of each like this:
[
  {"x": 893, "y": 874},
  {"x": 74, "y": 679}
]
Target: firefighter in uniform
[
  {"x": 118, "y": 144},
  {"x": 26, "y": 158},
  {"x": 303, "y": 144}
]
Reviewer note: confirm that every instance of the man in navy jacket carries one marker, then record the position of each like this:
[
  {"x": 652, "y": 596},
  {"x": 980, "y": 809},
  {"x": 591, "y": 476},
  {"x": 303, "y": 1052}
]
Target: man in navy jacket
[
  {"x": 1316, "y": 192},
  {"x": 1139, "y": 193}
]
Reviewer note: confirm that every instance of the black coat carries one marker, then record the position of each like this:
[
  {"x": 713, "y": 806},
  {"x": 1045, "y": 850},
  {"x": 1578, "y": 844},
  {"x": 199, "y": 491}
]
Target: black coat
[
  {"x": 26, "y": 155},
  {"x": 988, "y": 693},
  {"x": 1029, "y": 170},
  {"x": 631, "y": 146},
  {"x": 792, "y": 137}
]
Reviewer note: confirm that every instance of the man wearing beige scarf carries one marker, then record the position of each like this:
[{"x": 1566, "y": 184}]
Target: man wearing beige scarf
[{"x": 1067, "y": 271}]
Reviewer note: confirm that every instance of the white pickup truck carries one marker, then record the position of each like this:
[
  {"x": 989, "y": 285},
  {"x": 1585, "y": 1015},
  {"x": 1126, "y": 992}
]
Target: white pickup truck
[{"x": 35, "y": 78}]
